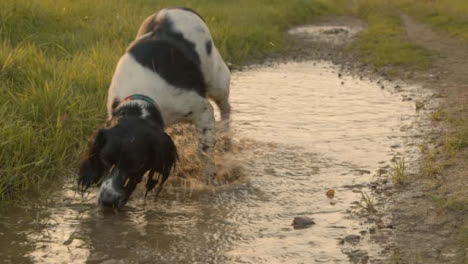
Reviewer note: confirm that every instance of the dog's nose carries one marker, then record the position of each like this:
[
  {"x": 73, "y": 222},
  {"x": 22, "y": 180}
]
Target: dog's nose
[
  {"x": 111, "y": 200},
  {"x": 110, "y": 196}
]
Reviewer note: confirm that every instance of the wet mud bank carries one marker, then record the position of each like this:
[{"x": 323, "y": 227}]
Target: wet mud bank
[
  {"x": 431, "y": 211},
  {"x": 316, "y": 145}
]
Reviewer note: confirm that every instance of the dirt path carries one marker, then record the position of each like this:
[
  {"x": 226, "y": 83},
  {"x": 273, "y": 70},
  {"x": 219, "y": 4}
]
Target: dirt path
[
  {"x": 451, "y": 64},
  {"x": 426, "y": 233}
]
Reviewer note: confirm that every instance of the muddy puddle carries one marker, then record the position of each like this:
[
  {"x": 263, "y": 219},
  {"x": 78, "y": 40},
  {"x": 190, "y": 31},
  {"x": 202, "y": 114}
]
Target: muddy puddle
[{"x": 311, "y": 128}]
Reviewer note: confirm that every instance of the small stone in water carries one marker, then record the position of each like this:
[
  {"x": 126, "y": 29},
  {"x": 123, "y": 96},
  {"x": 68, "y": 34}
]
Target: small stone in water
[
  {"x": 301, "y": 222},
  {"x": 352, "y": 239}
]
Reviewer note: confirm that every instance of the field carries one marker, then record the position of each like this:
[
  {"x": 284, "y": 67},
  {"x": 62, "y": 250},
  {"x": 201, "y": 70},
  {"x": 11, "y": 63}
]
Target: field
[{"x": 57, "y": 59}]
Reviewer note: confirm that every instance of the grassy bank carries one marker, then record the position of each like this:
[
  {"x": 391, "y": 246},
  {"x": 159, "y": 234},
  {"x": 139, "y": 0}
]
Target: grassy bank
[
  {"x": 446, "y": 16},
  {"x": 57, "y": 59},
  {"x": 384, "y": 45}
]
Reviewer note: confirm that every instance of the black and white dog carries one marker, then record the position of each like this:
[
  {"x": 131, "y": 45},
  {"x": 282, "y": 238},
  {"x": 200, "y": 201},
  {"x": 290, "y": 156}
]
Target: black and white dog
[{"x": 165, "y": 77}]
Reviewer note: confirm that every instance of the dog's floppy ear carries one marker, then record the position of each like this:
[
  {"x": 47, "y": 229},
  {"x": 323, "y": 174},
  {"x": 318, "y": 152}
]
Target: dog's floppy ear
[
  {"x": 164, "y": 160},
  {"x": 92, "y": 168}
]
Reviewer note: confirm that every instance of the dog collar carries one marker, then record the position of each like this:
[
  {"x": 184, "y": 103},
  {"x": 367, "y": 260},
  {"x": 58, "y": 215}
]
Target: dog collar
[{"x": 140, "y": 97}]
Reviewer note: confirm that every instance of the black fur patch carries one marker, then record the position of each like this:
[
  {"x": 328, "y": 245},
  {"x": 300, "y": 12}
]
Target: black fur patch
[
  {"x": 209, "y": 47},
  {"x": 115, "y": 103},
  {"x": 136, "y": 110},
  {"x": 155, "y": 115},
  {"x": 172, "y": 56},
  {"x": 92, "y": 168},
  {"x": 128, "y": 110},
  {"x": 125, "y": 150}
]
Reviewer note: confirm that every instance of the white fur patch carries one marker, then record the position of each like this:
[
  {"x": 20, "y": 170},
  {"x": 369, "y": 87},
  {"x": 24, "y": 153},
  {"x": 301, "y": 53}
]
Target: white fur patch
[
  {"x": 177, "y": 104},
  {"x": 215, "y": 71},
  {"x": 132, "y": 78},
  {"x": 108, "y": 188}
]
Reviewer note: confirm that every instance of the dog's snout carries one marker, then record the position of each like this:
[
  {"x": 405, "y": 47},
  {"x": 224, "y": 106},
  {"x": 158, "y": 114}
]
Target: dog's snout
[
  {"x": 109, "y": 196},
  {"x": 110, "y": 200}
]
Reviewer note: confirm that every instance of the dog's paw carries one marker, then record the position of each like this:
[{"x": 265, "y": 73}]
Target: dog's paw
[
  {"x": 212, "y": 182},
  {"x": 227, "y": 145},
  {"x": 210, "y": 177}
]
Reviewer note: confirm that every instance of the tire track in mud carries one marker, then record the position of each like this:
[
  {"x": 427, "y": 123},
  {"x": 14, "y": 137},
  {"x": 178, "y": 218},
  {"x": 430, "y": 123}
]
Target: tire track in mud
[{"x": 424, "y": 233}]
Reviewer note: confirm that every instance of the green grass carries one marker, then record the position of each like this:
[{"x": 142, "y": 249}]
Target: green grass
[
  {"x": 398, "y": 173},
  {"x": 445, "y": 15},
  {"x": 445, "y": 152},
  {"x": 384, "y": 43},
  {"x": 452, "y": 204},
  {"x": 368, "y": 203},
  {"x": 438, "y": 115},
  {"x": 463, "y": 238},
  {"x": 57, "y": 58}
]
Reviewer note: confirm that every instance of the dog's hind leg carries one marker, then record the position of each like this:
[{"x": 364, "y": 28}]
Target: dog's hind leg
[
  {"x": 219, "y": 92},
  {"x": 225, "y": 109},
  {"x": 205, "y": 124}
]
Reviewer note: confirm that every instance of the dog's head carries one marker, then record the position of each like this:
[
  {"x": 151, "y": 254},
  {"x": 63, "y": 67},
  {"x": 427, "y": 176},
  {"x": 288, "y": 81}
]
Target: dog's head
[{"x": 119, "y": 156}]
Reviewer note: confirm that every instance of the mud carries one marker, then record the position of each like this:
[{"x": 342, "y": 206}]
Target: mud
[
  {"x": 301, "y": 128},
  {"x": 426, "y": 232}
]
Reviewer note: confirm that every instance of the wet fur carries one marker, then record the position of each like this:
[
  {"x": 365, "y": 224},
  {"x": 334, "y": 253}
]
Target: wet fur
[{"x": 172, "y": 61}]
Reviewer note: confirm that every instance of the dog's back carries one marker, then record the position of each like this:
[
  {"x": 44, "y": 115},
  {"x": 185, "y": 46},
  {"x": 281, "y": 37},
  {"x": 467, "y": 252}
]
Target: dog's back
[
  {"x": 165, "y": 77},
  {"x": 179, "y": 24},
  {"x": 177, "y": 46},
  {"x": 188, "y": 27}
]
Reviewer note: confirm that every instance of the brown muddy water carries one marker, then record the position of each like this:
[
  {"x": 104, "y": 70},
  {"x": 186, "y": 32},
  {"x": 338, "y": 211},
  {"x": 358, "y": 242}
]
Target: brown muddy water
[{"x": 310, "y": 131}]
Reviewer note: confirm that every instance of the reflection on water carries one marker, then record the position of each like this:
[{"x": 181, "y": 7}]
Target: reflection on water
[
  {"x": 309, "y": 106},
  {"x": 327, "y": 133}
]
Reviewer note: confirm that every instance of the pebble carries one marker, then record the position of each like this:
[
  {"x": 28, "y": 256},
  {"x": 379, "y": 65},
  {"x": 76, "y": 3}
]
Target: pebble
[
  {"x": 113, "y": 261},
  {"x": 352, "y": 239},
  {"x": 322, "y": 259},
  {"x": 382, "y": 171},
  {"x": 97, "y": 257},
  {"x": 229, "y": 222},
  {"x": 358, "y": 256},
  {"x": 301, "y": 222}
]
